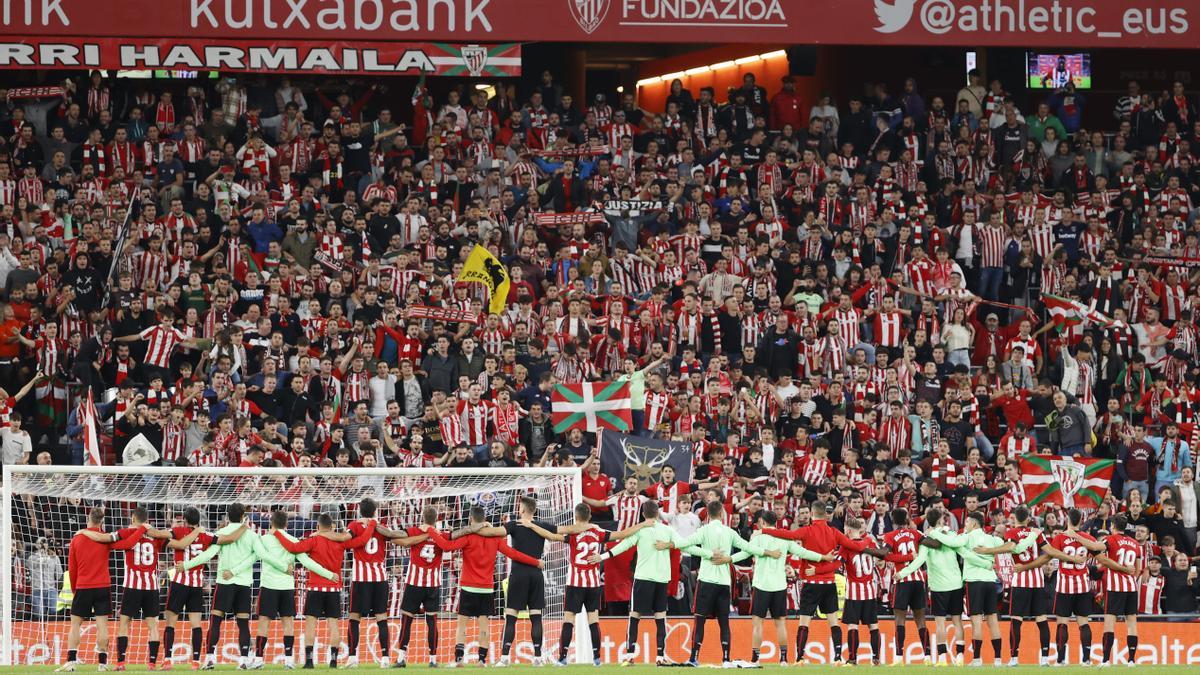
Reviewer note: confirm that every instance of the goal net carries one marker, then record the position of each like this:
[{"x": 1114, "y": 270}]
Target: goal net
[{"x": 44, "y": 506}]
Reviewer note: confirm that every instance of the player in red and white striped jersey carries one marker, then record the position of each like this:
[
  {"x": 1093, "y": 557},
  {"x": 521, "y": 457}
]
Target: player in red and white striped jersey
[
  {"x": 369, "y": 589},
  {"x": 1072, "y": 588},
  {"x": 186, "y": 590},
  {"x": 584, "y": 540},
  {"x": 1122, "y": 559},
  {"x": 1027, "y": 591},
  {"x": 862, "y": 592},
  {"x": 913, "y": 592},
  {"x": 422, "y": 587},
  {"x": 139, "y": 599}
]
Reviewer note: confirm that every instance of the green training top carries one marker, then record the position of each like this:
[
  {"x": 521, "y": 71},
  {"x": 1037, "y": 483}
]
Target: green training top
[
  {"x": 652, "y": 564},
  {"x": 979, "y": 567},
  {"x": 237, "y": 557},
  {"x": 713, "y": 537},
  {"x": 770, "y": 574},
  {"x": 942, "y": 563},
  {"x": 277, "y": 562}
]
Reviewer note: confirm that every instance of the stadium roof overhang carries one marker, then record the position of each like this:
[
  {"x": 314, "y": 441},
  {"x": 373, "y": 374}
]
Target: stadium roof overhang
[{"x": 376, "y": 35}]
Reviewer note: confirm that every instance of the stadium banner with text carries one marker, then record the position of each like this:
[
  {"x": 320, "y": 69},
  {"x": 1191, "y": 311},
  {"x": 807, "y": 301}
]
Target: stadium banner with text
[
  {"x": 1011, "y": 23},
  {"x": 1163, "y": 643},
  {"x": 338, "y": 57}
]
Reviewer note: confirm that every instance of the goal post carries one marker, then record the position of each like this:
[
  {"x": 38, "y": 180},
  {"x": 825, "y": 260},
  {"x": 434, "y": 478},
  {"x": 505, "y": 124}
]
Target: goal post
[{"x": 43, "y": 506}]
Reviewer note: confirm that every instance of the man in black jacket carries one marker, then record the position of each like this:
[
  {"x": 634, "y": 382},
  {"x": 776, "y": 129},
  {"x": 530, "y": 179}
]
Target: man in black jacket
[
  {"x": 536, "y": 432},
  {"x": 856, "y": 128},
  {"x": 777, "y": 350},
  {"x": 1167, "y": 522},
  {"x": 296, "y": 403},
  {"x": 565, "y": 191},
  {"x": 1181, "y": 587}
]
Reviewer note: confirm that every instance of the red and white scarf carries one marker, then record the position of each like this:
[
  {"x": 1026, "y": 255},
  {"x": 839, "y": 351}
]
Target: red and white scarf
[{"x": 164, "y": 116}]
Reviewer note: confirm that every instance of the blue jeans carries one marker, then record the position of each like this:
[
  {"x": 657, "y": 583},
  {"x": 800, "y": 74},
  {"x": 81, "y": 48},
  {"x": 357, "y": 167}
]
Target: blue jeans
[
  {"x": 1142, "y": 486},
  {"x": 986, "y": 450},
  {"x": 989, "y": 282},
  {"x": 1071, "y": 450},
  {"x": 45, "y": 600},
  {"x": 959, "y": 357},
  {"x": 639, "y": 423}
]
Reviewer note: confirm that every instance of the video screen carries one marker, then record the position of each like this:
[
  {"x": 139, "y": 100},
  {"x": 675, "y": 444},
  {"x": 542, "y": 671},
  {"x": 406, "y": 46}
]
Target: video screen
[{"x": 1054, "y": 71}]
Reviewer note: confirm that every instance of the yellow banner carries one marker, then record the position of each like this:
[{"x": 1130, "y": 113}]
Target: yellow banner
[{"x": 483, "y": 267}]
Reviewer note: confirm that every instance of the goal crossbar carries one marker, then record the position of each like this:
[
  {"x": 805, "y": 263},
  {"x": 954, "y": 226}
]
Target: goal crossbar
[{"x": 161, "y": 485}]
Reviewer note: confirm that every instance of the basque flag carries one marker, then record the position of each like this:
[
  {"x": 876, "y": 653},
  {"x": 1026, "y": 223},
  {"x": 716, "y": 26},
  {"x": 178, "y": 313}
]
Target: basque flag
[
  {"x": 591, "y": 406},
  {"x": 1080, "y": 482}
]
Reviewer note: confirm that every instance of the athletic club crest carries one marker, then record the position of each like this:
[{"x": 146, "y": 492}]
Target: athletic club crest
[
  {"x": 589, "y": 14},
  {"x": 475, "y": 58},
  {"x": 1069, "y": 475}
]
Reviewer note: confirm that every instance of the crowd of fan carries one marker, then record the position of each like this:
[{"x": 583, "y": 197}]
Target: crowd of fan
[{"x": 837, "y": 301}]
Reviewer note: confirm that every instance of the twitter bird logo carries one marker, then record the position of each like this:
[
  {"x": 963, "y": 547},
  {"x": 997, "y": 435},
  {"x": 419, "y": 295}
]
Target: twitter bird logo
[{"x": 893, "y": 16}]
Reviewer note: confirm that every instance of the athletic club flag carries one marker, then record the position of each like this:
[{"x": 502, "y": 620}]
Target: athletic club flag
[
  {"x": 1066, "y": 312},
  {"x": 91, "y": 434},
  {"x": 591, "y": 406},
  {"x": 1078, "y": 482}
]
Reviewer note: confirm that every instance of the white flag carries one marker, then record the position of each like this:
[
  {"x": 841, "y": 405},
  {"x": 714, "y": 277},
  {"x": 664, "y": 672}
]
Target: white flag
[{"x": 91, "y": 435}]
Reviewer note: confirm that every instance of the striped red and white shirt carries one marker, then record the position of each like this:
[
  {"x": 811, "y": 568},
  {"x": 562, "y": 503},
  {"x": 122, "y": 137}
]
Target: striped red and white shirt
[
  {"x": 141, "y": 562},
  {"x": 584, "y": 545},
  {"x": 862, "y": 579},
  {"x": 357, "y": 386},
  {"x": 1150, "y": 594},
  {"x": 1124, "y": 551},
  {"x": 905, "y": 541},
  {"x": 162, "y": 342},
  {"x": 658, "y": 405},
  {"x": 667, "y": 496},
  {"x": 174, "y": 437},
  {"x": 370, "y": 559},
  {"x": 627, "y": 509},
  {"x": 1042, "y": 239},
  {"x": 475, "y": 418},
  {"x": 1071, "y": 578},
  {"x": 991, "y": 240},
  {"x": 195, "y": 576},
  {"x": 1033, "y": 578},
  {"x": 816, "y": 471},
  {"x": 888, "y": 328},
  {"x": 424, "y": 562},
  {"x": 8, "y": 192}
]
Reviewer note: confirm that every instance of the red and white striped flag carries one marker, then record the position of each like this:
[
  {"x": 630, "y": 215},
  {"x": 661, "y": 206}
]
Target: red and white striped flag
[
  {"x": 91, "y": 433},
  {"x": 1067, "y": 312}
]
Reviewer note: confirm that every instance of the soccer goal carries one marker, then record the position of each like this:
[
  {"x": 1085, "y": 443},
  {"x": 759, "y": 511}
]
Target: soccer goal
[{"x": 44, "y": 506}]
